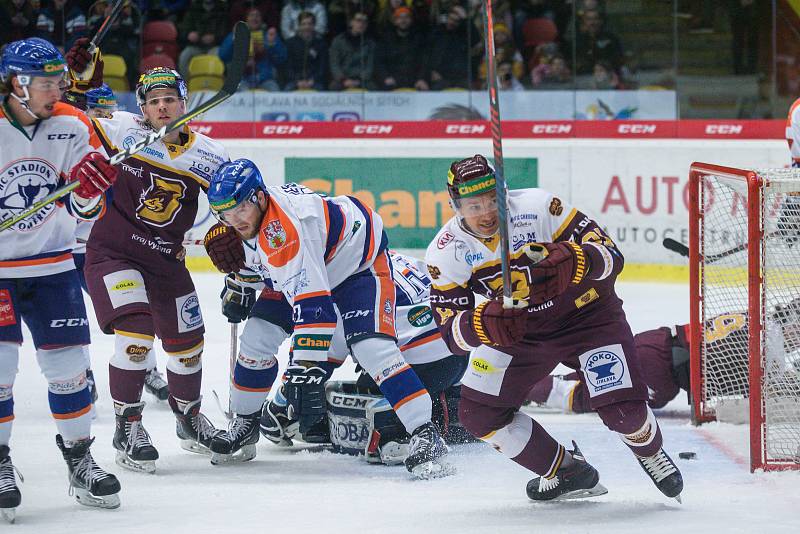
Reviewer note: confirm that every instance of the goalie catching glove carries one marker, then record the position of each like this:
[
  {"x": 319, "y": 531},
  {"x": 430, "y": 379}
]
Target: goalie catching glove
[
  {"x": 224, "y": 247},
  {"x": 555, "y": 267}
]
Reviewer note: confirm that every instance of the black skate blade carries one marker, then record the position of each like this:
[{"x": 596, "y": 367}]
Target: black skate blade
[
  {"x": 9, "y": 514},
  {"x": 678, "y": 498},
  {"x": 139, "y": 466},
  {"x": 244, "y": 454},
  {"x": 195, "y": 447},
  {"x": 85, "y": 498},
  {"x": 597, "y": 490},
  {"x": 431, "y": 470}
]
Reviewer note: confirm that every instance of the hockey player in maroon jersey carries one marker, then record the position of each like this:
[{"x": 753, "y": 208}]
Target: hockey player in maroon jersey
[
  {"x": 564, "y": 266},
  {"x": 139, "y": 284}
]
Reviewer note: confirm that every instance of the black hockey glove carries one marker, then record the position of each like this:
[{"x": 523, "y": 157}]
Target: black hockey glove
[
  {"x": 304, "y": 389},
  {"x": 237, "y": 299}
]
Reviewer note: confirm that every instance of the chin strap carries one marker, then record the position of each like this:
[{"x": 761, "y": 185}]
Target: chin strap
[{"x": 24, "y": 102}]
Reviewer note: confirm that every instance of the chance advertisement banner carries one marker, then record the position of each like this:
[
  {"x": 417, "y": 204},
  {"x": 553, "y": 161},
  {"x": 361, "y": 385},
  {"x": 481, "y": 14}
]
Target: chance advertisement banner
[{"x": 408, "y": 193}]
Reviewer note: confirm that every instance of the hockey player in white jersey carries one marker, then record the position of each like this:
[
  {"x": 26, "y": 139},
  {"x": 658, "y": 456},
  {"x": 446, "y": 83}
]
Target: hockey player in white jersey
[
  {"x": 325, "y": 254},
  {"x": 45, "y": 143}
]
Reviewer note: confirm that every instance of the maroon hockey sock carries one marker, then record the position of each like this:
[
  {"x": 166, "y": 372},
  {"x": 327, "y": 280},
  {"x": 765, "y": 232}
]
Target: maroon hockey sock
[
  {"x": 542, "y": 454},
  {"x": 126, "y": 386},
  {"x": 636, "y": 425},
  {"x": 183, "y": 389}
]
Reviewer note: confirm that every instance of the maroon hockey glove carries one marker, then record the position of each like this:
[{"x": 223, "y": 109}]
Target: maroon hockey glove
[
  {"x": 78, "y": 59},
  {"x": 495, "y": 325},
  {"x": 95, "y": 175},
  {"x": 224, "y": 247},
  {"x": 555, "y": 267}
]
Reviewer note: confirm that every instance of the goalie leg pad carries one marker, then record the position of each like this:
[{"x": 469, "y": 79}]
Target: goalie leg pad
[{"x": 362, "y": 423}]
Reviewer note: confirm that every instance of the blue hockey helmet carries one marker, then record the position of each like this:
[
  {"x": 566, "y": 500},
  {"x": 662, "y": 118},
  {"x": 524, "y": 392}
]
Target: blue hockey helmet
[
  {"x": 234, "y": 182},
  {"x": 101, "y": 97},
  {"x": 160, "y": 78},
  {"x": 31, "y": 57}
]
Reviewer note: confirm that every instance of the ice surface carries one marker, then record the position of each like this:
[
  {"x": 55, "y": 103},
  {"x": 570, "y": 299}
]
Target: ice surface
[{"x": 319, "y": 492}]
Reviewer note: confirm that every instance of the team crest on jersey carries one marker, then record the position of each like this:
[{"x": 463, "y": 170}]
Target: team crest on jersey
[
  {"x": 434, "y": 271},
  {"x": 275, "y": 234},
  {"x": 160, "y": 203},
  {"x": 556, "y": 207},
  {"x": 23, "y": 182}
]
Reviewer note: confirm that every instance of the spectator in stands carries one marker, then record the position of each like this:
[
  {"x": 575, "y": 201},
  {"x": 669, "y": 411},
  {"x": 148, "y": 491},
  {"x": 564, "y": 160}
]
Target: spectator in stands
[
  {"x": 506, "y": 81},
  {"x": 594, "y": 43},
  {"x": 450, "y": 50},
  {"x": 307, "y": 65},
  {"x": 505, "y": 51},
  {"x": 172, "y": 10},
  {"x": 18, "y": 20},
  {"x": 61, "y": 22},
  {"x": 270, "y": 11},
  {"x": 551, "y": 73},
  {"x": 291, "y": 11},
  {"x": 384, "y": 15},
  {"x": 531, "y": 9},
  {"x": 267, "y": 53},
  {"x": 202, "y": 29},
  {"x": 340, "y": 12},
  {"x": 122, "y": 38},
  {"x": 605, "y": 77},
  {"x": 400, "y": 55},
  {"x": 352, "y": 56}
]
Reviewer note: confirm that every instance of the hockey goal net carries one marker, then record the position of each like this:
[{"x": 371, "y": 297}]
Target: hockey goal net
[{"x": 745, "y": 315}]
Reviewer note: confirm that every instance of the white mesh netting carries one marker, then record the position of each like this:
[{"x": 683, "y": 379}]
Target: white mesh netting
[{"x": 725, "y": 352}]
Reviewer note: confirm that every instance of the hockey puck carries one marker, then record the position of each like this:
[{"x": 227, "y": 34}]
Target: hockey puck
[{"x": 687, "y": 455}]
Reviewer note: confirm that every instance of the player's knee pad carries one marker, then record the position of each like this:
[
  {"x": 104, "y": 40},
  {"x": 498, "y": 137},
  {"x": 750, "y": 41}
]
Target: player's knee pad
[
  {"x": 379, "y": 356},
  {"x": 480, "y": 419},
  {"x": 132, "y": 350},
  {"x": 65, "y": 363},
  {"x": 9, "y": 361},
  {"x": 260, "y": 341},
  {"x": 185, "y": 358},
  {"x": 632, "y": 420}
]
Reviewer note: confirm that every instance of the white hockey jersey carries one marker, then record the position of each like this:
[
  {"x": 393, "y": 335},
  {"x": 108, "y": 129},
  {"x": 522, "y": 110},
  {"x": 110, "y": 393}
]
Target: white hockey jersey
[
  {"x": 35, "y": 161},
  {"x": 308, "y": 245},
  {"x": 793, "y": 132}
]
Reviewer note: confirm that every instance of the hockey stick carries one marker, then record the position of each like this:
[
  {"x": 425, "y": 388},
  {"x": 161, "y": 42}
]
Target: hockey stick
[
  {"x": 231, "y": 362},
  {"x": 87, "y": 74},
  {"x": 241, "y": 46},
  {"x": 501, "y": 188},
  {"x": 683, "y": 250}
]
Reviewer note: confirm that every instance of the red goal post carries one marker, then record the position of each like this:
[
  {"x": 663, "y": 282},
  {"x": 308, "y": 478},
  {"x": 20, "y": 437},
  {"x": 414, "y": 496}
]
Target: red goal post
[{"x": 744, "y": 269}]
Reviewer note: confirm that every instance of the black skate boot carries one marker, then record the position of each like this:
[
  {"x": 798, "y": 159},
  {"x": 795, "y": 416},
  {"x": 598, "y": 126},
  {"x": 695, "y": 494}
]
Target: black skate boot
[
  {"x": 10, "y": 497},
  {"x": 578, "y": 481},
  {"x": 155, "y": 384},
  {"x": 195, "y": 430},
  {"x": 276, "y": 425},
  {"x": 135, "y": 450},
  {"x": 238, "y": 444},
  {"x": 425, "y": 451},
  {"x": 90, "y": 484},
  {"x": 664, "y": 474}
]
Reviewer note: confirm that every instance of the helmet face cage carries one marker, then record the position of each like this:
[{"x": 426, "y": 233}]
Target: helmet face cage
[{"x": 160, "y": 78}]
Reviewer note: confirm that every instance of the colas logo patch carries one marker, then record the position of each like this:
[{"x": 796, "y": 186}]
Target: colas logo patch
[{"x": 275, "y": 234}]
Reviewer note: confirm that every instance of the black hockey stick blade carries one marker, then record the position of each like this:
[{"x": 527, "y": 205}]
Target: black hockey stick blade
[
  {"x": 241, "y": 48},
  {"x": 675, "y": 246}
]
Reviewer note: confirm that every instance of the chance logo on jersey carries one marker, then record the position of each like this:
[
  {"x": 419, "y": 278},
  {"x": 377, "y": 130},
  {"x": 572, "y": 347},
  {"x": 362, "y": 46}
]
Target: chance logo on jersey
[
  {"x": 23, "y": 182},
  {"x": 606, "y": 369}
]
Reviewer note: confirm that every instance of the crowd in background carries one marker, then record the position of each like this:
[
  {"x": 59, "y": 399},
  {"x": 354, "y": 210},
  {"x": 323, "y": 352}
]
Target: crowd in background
[{"x": 355, "y": 44}]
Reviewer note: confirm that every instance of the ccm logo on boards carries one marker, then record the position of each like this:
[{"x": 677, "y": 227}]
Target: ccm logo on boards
[
  {"x": 636, "y": 129},
  {"x": 551, "y": 129},
  {"x": 724, "y": 129},
  {"x": 372, "y": 129},
  {"x": 282, "y": 129},
  {"x": 461, "y": 129}
]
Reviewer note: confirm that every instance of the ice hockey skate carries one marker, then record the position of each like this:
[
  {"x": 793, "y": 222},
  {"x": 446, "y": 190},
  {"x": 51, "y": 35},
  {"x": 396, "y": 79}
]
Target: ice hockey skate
[
  {"x": 155, "y": 384},
  {"x": 90, "y": 484},
  {"x": 664, "y": 473},
  {"x": 238, "y": 444},
  {"x": 425, "y": 452},
  {"x": 135, "y": 450},
  {"x": 10, "y": 496},
  {"x": 577, "y": 481},
  {"x": 195, "y": 430}
]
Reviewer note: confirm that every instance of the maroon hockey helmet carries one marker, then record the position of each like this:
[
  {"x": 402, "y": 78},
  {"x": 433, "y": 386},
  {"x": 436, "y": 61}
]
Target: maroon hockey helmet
[{"x": 469, "y": 177}]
